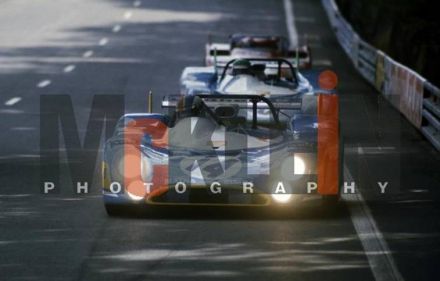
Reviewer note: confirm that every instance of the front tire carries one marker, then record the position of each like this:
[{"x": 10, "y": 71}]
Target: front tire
[{"x": 113, "y": 210}]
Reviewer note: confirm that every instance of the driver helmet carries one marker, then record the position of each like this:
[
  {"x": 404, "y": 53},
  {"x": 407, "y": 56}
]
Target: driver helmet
[
  {"x": 188, "y": 106},
  {"x": 241, "y": 66}
]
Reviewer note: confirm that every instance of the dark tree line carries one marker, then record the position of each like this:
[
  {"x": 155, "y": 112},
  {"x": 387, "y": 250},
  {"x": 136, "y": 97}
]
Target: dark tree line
[{"x": 407, "y": 30}]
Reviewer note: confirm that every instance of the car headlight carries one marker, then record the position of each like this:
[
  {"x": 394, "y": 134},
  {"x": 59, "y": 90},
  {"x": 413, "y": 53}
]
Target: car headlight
[
  {"x": 134, "y": 197},
  {"x": 135, "y": 186},
  {"x": 281, "y": 197},
  {"x": 293, "y": 166},
  {"x": 299, "y": 165},
  {"x": 127, "y": 173},
  {"x": 126, "y": 162}
]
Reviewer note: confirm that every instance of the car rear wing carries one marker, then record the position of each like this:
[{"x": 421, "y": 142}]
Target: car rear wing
[{"x": 243, "y": 101}]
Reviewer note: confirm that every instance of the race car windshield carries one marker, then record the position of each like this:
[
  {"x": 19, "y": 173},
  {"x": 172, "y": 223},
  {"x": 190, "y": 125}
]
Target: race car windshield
[
  {"x": 223, "y": 109},
  {"x": 268, "y": 70},
  {"x": 249, "y": 104}
]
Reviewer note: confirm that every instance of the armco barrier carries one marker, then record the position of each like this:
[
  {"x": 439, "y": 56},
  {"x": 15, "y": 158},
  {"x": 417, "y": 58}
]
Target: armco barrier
[
  {"x": 431, "y": 114},
  {"x": 403, "y": 88},
  {"x": 417, "y": 99},
  {"x": 366, "y": 61}
]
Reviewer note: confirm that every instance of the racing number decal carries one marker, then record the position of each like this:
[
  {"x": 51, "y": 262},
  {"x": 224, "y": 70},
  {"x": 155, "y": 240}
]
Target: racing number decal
[
  {"x": 134, "y": 132},
  {"x": 328, "y": 144}
]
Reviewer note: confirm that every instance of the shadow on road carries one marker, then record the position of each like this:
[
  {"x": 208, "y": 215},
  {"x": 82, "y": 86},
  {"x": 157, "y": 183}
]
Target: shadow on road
[{"x": 303, "y": 211}]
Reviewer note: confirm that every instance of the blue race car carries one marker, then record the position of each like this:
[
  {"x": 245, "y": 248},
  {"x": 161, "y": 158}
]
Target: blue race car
[{"x": 208, "y": 151}]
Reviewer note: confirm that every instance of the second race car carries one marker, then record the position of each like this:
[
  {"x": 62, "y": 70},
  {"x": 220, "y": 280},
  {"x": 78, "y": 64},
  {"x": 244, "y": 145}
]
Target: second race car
[{"x": 241, "y": 46}]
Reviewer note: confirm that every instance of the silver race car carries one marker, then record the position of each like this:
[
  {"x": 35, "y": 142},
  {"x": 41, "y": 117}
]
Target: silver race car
[{"x": 272, "y": 78}]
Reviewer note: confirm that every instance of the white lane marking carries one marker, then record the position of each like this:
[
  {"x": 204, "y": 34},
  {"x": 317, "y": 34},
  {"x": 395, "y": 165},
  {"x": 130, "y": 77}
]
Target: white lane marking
[
  {"x": 23, "y": 129},
  {"x": 116, "y": 28},
  {"x": 15, "y": 156},
  {"x": 418, "y": 190},
  {"x": 372, "y": 150},
  {"x": 322, "y": 63},
  {"x": 314, "y": 45},
  {"x": 375, "y": 247},
  {"x": 313, "y": 37},
  {"x": 69, "y": 68},
  {"x": 44, "y": 83},
  {"x": 360, "y": 226},
  {"x": 137, "y": 3},
  {"x": 305, "y": 19},
  {"x": 12, "y": 101},
  {"x": 127, "y": 15},
  {"x": 88, "y": 54},
  {"x": 103, "y": 41},
  {"x": 290, "y": 21},
  {"x": 79, "y": 59},
  {"x": 11, "y": 111}
]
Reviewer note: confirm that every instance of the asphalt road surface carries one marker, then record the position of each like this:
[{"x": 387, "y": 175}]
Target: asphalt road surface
[{"x": 83, "y": 48}]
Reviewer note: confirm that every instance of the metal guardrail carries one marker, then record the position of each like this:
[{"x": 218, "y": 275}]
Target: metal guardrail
[
  {"x": 367, "y": 61},
  {"x": 410, "y": 93},
  {"x": 431, "y": 114}
]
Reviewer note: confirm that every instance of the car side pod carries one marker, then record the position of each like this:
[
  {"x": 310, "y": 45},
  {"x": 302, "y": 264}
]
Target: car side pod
[{"x": 330, "y": 164}]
